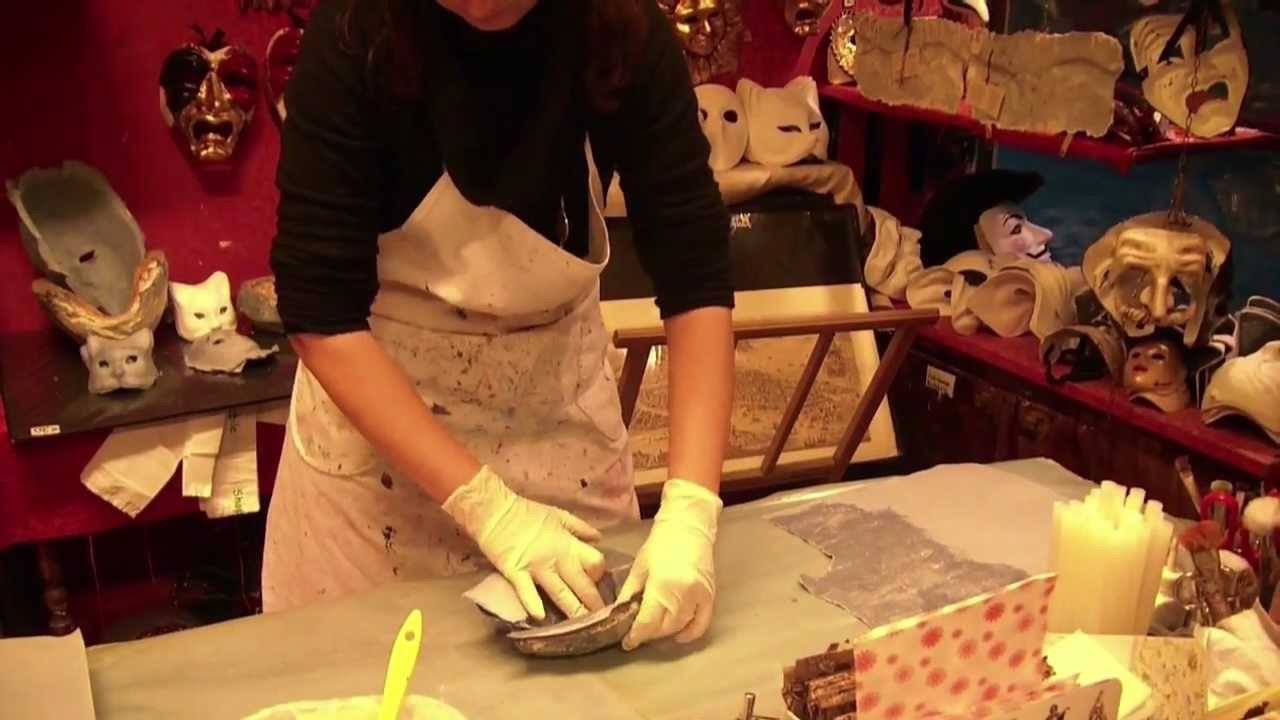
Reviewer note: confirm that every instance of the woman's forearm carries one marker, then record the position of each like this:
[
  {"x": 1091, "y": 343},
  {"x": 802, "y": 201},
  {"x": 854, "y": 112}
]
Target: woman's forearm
[
  {"x": 380, "y": 401},
  {"x": 700, "y": 374}
]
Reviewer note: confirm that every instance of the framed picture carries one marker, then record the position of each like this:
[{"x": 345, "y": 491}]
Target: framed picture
[{"x": 767, "y": 372}]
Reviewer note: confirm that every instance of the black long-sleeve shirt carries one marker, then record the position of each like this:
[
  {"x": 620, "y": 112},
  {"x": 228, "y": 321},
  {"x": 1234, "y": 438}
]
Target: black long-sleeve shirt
[{"x": 355, "y": 162}]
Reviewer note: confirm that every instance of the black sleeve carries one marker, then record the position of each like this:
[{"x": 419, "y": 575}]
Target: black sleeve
[
  {"x": 680, "y": 224},
  {"x": 331, "y": 182}
]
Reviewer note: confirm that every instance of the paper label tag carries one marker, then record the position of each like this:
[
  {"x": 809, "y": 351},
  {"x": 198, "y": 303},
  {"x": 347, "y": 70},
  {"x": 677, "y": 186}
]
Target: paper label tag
[
  {"x": 740, "y": 221},
  {"x": 987, "y": 100},
  {"x": 940, "y": 381},
  {"x": 45, "y": 430}
]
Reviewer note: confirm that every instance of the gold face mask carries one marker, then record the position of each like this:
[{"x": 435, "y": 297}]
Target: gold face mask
[
  {"x": 710, "y": 32},
  {"x": 1155, "y": 372},
  {"x": 207, "y": 95},
  {"x": 803, "y": 15},
  {"x": 1151, "y": 274}
]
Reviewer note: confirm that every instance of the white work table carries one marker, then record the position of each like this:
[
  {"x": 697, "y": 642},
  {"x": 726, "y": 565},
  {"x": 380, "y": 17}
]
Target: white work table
[{"x": 763, "y": 620}]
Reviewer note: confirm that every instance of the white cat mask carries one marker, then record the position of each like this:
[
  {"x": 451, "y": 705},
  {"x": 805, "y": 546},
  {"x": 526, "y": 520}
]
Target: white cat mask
[
  {"x": 204, "y": 307},
  {"x": 724, "y": 122},
  {"x": 784, "y": 124},
  {"x": 120, "y": 364}
]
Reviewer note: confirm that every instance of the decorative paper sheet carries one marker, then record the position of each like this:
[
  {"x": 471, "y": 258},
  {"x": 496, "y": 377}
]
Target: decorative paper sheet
[
  {"x": 883, "y": 568},
  {"x": 985, "y": 651}
]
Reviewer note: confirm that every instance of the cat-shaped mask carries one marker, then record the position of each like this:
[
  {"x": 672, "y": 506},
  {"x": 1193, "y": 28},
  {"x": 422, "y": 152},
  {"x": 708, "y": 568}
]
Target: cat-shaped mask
[
  {"x": 784, "y": 124},
  {"x": 204, "y": 307},
  {"x": 120, "y": 364}
]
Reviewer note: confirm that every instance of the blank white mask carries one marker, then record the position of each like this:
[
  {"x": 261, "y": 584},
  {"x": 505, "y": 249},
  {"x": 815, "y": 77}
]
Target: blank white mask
[
  {"x": 204, "y": 307},
  {"x": 724, "y": 122},
  {"x": 784, "y": 124}
]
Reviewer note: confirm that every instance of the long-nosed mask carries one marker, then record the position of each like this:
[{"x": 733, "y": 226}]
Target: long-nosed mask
[{"x": 207, "y": 95}]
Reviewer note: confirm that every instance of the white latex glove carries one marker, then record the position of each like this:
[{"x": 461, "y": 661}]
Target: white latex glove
[
  {"x": 531, "y": 544},
  {"x": 675, "y": 569}
]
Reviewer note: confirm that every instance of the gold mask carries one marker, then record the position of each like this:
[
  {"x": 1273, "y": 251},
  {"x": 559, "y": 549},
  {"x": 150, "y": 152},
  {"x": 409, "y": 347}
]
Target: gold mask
[
  {"x": 710, "y": 31},
  {"x": 1155, "y": 372},
  {"x": 1149, "y": 273},
  {"x": 803, "y": 15}
]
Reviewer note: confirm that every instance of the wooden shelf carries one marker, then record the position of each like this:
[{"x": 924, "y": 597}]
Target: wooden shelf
[
  {"x": 1019, "y": 357},
  {"x": 1114, "y": 155}
]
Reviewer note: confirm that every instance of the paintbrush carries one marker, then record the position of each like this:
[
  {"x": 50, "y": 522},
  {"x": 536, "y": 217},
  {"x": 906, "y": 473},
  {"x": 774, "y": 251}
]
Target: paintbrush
[
  {"x": 1202, "y": 540},
  {"x": 1183, "y": 466}
]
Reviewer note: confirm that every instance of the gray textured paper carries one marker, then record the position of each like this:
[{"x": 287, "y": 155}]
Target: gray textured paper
[{"x": 883, "y": 568}]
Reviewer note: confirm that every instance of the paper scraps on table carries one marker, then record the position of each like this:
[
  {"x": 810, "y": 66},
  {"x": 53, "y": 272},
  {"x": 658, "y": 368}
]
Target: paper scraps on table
[{"x": 883, "y": 568}]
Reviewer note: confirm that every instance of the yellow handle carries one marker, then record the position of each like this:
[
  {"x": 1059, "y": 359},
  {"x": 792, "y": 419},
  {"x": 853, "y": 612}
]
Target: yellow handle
[
  {"x": 404, "y": 657},
  {"x": 1235, "y": 709}
]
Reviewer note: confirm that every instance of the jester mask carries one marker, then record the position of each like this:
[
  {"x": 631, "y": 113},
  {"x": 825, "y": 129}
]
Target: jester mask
[{"x": 207, "y": 95}]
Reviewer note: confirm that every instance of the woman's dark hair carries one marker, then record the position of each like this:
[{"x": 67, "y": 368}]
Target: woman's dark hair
[{"x": 615, "y": 35}]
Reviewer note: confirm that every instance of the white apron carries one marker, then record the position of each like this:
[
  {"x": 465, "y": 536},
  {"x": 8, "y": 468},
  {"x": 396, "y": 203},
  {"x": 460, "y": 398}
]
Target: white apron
[{"x": 500, "y": 330}]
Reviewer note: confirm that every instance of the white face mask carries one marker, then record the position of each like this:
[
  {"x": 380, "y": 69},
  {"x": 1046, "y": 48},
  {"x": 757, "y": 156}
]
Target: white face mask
[
  {"x": 724, "y": 122},
  {"x": 784, "y": 124},
  {"x": 204, "y": 307},
  {"x": 1005, "y": 230},
  {"x": 119, "y": 364},
  {"x": 1219, "y": 84}
]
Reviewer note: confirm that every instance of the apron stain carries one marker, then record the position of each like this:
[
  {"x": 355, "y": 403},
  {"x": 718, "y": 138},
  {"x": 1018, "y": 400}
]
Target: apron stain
[
  {"x": 461, "y": 313},
  {"x": 438, "y": 409},
  {"x": 389, "y": 536},
  {"x": 583, "y": 482},
  {"x": 395, "y": 570},
  {"x": 386, "y": 481}
]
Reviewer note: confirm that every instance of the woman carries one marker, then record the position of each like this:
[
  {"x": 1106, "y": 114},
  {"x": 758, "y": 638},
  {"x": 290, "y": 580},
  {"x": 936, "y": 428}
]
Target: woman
[{"x": 437, "y": 262}]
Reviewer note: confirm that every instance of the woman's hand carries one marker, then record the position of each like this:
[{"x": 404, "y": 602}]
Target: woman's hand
[
  {"x": 531, "y": 544},
  {"x": 675, "y": 569}
]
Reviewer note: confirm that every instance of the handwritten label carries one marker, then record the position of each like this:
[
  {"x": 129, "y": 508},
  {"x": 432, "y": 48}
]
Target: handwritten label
[
  {"x": 740, "y": 221},
  {"x": 940, "y": 381},
  {"x": 45, "y": 430}
]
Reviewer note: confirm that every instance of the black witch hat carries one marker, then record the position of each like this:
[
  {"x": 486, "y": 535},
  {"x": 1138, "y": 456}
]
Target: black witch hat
[{"x": 948, "y": 220}]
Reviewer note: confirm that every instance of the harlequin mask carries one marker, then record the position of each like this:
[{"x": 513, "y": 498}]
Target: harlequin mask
[
  {"x": 207, "y": 95},
  {"x": 119, "y": 364},
  {"x": 724, "y": 122},
  {"x": 1155, "y": 372},
  {"x": 1210, "y": 94},
  {"x": 784, "y": 124},
  {"x": 1005, "y": 230},
  {"x": 204, "y": 307},
  {"x": 282, "y": 56},
  {"x": 1149, "y": 273},
  {"x": 803, "y": 15},
  {"x": 710, "y": 31}
]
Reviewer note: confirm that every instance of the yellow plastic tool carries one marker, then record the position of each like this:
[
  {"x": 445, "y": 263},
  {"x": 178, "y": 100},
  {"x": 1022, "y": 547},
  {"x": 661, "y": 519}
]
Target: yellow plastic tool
[
  {"x": 404, "y": 657},
  {"x": 1236, "y": 709}
]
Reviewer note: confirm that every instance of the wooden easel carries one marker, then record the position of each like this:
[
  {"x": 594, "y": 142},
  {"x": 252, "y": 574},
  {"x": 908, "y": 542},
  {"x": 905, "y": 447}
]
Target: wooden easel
[{"x": 638, "y": 342}]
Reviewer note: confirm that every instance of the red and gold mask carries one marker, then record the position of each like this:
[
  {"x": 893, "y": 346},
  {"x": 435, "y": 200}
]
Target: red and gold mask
[
  {"x": 282, "y": 56},
  {"x": 207, "y": 95}
]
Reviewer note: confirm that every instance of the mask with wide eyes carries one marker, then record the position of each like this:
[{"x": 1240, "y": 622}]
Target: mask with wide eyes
[
  {"x": 124, "y": 364},
  {"x": 784, "y": 125},
  {"x": 1155, "y": 372},
  {"x": 207, "y": 96},
  {"x": 724, "y": 122},
  {"x": 201, "y": 308},
  {"x": 1005, "y": 230}
]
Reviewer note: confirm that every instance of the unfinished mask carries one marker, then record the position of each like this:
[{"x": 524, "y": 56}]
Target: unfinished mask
[
  {"x": 1005, "y": 230},
  {"x": 281, "y": 58},
  {"x": 1249, "y": 387},
  {"x": 257, "y": 300},
  {"x": 802, "y": 15},
  {"x": 710, "y": 32},
  {"x": 124, "y": 364},
  {"x": 79, "y": 234},
  {"x": 207, "y": 94},
  {"x": 224, "y": 351},
  {"x": 1150, "y": 273},
  {"x": 784, "y": 124},
  {"x": 1212, "y": 93},
  {"x": 1036, "y": 82},
  {"x": 204, "y": 307},
  {"x": 1156, "y": 373},
  {"x": 724, "y": 122}
]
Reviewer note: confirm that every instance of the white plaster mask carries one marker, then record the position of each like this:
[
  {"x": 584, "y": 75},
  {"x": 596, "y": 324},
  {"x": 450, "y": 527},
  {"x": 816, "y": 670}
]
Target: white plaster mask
[
  {"x": 204, "y": 307},
  {"x": 784, "y": 124},
  {"x": 124, "y": 364},
  {"x": 1005, "y": 230},
  {"x": 1209, "y": 89},
  {"x": 724, "y": 122},
  {"x": 1248, "y": 386},
  {"x": 948, "y": 286},
  {"x": 224, "y": 351},
  {"x": 1149, "y": 273}
]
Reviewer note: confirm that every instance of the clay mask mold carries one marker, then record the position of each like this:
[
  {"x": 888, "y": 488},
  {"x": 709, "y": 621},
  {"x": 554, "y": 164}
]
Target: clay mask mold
[
  {"x": 201, "y": 308},
  {"x": 224, "y": 351},
  {"x": 124, "y": 364},
  {"x": 257, "y": 300}
]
